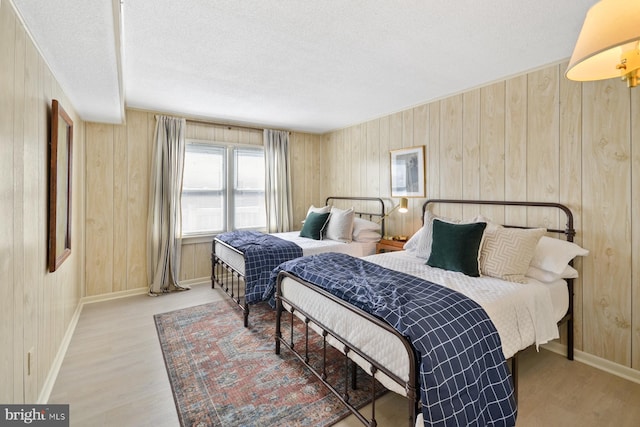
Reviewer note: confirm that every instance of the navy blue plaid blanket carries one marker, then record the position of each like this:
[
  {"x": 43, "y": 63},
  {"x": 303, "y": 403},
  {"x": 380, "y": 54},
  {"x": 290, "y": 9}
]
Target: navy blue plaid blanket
[
  {"x": 464, "y": 380},
  {"x": 262, "y": 253}
]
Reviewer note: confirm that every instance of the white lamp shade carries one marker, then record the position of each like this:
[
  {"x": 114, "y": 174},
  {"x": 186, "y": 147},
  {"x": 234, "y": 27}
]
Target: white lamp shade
[{"x": 609, "y": 25}]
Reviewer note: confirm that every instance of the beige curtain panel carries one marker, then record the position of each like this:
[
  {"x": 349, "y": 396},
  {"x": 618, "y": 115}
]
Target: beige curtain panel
[
  {"x": 277, "y": 181},
  {"x": 165, "y": 209}
]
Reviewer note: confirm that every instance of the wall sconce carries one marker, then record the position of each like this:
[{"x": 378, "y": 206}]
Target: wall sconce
[
  {"x": 402, "y": 207},
  {"x": 607, "y": 46}
]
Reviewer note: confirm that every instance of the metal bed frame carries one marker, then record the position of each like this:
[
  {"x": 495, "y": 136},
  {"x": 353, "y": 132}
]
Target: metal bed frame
[
  {"x": 231, "y": 281},
  {"x": 283, "y": 305}
]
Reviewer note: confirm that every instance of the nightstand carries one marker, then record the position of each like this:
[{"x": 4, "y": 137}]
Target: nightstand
[{"x": 385, "y": 245}]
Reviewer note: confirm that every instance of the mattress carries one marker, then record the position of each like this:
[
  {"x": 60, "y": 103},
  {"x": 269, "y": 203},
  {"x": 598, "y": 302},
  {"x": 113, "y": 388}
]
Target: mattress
[{"x": 309, "y": 247}]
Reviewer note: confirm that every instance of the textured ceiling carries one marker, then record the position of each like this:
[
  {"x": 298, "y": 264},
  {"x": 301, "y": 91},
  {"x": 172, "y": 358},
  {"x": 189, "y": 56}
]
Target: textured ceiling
[{"x": 304, "y": 65}]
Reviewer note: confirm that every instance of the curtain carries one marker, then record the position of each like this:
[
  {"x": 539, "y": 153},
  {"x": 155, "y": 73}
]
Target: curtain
[
  {"x": 277, "y": 181},
  {"x": 165, "y": 211}
]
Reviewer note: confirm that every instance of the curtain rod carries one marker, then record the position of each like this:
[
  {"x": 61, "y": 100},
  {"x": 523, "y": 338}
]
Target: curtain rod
[{"x": 227, "y": 125}]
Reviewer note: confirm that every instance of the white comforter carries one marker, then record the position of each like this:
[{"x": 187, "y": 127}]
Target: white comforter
[{"x": 522, "y": 313}]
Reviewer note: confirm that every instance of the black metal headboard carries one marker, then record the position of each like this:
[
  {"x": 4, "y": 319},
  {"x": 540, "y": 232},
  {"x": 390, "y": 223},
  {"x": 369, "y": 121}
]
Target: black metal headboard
[
  {"x": 569, "y": 231},
  {"x": 377, "y": 213}
]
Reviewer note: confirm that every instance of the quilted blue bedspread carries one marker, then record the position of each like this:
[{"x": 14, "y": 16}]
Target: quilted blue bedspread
[
  {"x": 464, "y": 379},
  {"x": 262, "y": 253}
]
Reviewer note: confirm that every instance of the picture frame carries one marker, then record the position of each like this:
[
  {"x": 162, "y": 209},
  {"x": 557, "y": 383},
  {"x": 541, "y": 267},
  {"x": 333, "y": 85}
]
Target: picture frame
[
  {"x": 60, "y": 162},
  {"x": 408, "y": 172}
]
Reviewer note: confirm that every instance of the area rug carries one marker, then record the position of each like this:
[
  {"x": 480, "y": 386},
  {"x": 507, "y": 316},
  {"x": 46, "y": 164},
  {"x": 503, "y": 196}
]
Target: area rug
[{"x": 223, "y": 374}]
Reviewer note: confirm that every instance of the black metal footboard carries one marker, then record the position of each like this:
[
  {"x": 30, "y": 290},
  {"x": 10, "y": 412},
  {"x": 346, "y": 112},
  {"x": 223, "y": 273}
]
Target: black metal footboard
[
  {"x": 351, "y": 352},
  {"x": 230, "y": 280}
]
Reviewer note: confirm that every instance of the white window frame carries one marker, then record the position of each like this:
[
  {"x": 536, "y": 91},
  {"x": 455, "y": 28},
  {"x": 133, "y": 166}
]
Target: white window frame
[{"x": 228, "y": 187}]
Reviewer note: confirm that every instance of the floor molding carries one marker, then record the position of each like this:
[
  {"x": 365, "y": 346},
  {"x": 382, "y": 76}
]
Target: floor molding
[
  {"x": 596, "y": 362},
  {"x": 47, "y": 387},
  {"x": 114, "y": 295}
]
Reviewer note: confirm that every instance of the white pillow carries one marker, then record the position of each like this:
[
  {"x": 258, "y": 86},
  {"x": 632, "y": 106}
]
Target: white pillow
[
  {"x": 506, "y": 252},
  {"x": 548, "y": 277},
  {"x": 554, "y": 254},
  {"x": 412, "y": 243},
  {"x": 367, "y": 236},
  {"x": 324, "y": 209},
  {"x": 362, "y": 225},
  {"x": 340, "y": 227}
]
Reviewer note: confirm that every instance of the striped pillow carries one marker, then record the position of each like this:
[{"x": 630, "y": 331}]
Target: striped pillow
[{"x": 507, "y": 252}]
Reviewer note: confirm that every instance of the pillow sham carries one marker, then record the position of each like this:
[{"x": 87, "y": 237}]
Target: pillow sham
[
  {"x": 506, "y": 252},
  {"x": 361, "y": 224},
  {"x": 456, "y": 247},
  {"x": 421, "y": 247},
  {"x": 323, "y": 209},
  {"x": 340, "y": 226},
  {"x": 314, "y": 225},
  {"x": 367, "y": 236},
  {"x": 553, "y": 254},
  {"x": 548, "y": 277}
]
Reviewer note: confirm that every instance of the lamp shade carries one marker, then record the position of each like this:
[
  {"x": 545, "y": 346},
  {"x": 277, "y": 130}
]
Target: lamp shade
[
  {"x": 404, "y": 203},
  {"x": 611, "y": 28}
]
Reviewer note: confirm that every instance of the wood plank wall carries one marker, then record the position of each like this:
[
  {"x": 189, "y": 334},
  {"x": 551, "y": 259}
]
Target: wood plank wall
[
  {"x": 118, "y": 161},
  {"x": 533, "y": 137},
  {"x": 36, "y": 307}
]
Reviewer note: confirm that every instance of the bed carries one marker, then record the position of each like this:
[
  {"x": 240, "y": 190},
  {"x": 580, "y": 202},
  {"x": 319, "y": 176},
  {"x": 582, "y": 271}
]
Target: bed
[
  {"x": 244, "y": 281},
  {"x": 523, "y": 314}
]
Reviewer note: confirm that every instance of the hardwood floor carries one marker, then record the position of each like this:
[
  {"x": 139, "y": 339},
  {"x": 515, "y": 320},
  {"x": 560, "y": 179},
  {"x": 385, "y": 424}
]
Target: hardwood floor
[{"x": 114, "y": 375}]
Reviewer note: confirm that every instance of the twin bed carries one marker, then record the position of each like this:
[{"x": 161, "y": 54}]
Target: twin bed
[
  {"x": 245, "y": 286},
  {"x": 519, "y": 311}
]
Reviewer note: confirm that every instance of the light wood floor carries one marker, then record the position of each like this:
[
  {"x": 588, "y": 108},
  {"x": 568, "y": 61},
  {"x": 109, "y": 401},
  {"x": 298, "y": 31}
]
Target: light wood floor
[{"x": 114, "y": 375}]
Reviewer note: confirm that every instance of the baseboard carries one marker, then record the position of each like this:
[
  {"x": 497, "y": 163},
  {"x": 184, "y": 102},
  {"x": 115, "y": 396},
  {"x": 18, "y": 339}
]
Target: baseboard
[
  {"x": 114, "y": 295},
  {"x": 197, "y": 281},
  {"x": 47, "y": 387},
  {"x": 597, "y": 362}
]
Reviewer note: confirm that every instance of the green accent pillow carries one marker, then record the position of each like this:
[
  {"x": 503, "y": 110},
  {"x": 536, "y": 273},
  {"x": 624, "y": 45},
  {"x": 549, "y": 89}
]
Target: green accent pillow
[
  {"x": 314, "y": 224},
  {"x": 455, "y": 247}
]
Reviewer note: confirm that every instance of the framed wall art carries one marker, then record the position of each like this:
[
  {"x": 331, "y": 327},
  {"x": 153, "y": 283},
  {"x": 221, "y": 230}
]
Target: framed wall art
[
  {"x": 407, "y": 172},
  {"x": 59, "y": 186}
]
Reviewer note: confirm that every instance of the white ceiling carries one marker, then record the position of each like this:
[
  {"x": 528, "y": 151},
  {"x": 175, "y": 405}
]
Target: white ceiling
[{"x": 306, "y": 65}]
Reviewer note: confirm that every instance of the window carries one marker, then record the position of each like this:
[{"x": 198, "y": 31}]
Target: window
[{"x": 222, "y": 189}]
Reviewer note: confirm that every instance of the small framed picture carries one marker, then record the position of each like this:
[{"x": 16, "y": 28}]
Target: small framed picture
[{"x": 407, "y": 172}]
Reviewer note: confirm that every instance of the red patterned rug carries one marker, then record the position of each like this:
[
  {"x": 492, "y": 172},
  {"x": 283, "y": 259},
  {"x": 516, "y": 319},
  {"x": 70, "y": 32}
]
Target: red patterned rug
[{"x": 223, "y": 374}]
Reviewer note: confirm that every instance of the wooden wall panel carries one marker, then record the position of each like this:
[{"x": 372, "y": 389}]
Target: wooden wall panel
[
  {"x": 32, "y": 213},
  {"x": 571, "y": 177},
  {"x": 120, "y": 208},
  {"x": 18, "y": 206},
  {"x": 515, "y": 151},
  {"x": 433, "y": 153},
  {"x": 118, "y": 166},
  {"x": 35, "y": 306},
  {"x": 100, "y": 210},
  {"x": 492, "y": 134},
  {"x": 635, "y": 229},
  {"x": 140, "y": 130},
  {"x": 296, "y": 156},
  {"x": 420, "y": 138},
  {"x": 7, "y": 88},
  {"x": 607, "y": 221},
  {"x": 451, "y": 135},
  {"x": 537, "y": 137},
  {"x": 543, "y": 148},
  {"x": 471, "y": 151}
]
